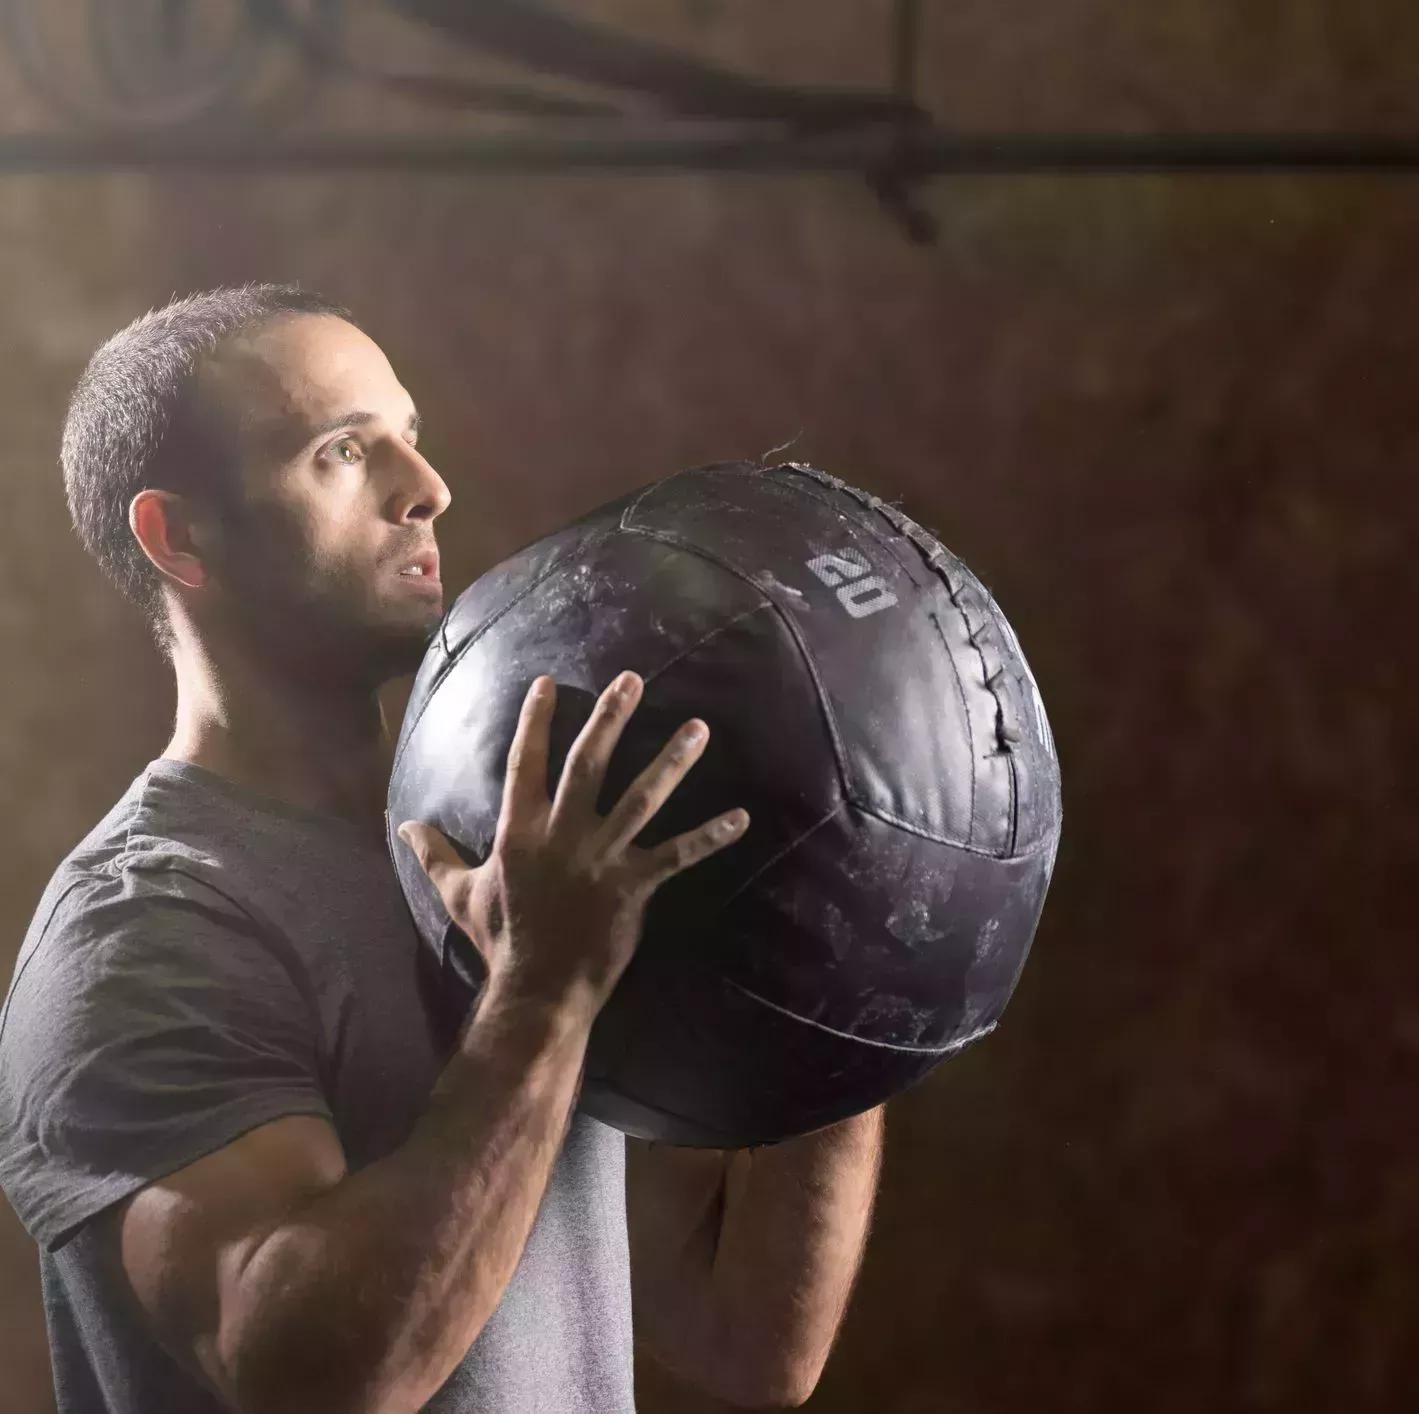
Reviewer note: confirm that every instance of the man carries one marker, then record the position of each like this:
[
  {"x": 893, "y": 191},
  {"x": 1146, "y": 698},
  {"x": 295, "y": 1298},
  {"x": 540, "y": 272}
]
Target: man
[{"x": 259, "y": 1178}]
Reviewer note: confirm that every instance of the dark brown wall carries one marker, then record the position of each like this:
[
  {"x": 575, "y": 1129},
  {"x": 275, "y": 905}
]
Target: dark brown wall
[{"x": 1170, "y": 423}]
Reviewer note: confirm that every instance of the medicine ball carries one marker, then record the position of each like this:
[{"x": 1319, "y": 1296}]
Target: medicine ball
[{"x": 869, "y": 706}]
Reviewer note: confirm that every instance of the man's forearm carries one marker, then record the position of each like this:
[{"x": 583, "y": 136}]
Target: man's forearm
[
  {"x": 791, "y": 1240},
  {"x": 367, "y": 1298}
]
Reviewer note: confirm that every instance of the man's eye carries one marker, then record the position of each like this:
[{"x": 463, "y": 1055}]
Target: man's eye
[{"x": 348, "y": 451}]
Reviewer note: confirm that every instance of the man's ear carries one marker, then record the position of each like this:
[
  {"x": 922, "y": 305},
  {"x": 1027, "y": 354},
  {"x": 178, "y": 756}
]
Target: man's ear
[{"x": 173, "y": 534}]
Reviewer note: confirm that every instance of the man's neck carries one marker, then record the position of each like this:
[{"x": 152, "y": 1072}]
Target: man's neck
[{"x": 320, "y": 748}]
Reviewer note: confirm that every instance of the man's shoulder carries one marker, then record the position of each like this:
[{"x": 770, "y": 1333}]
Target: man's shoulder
[
  {"x": 132, "y": 865},
  {"x": 136, "y": 852}
]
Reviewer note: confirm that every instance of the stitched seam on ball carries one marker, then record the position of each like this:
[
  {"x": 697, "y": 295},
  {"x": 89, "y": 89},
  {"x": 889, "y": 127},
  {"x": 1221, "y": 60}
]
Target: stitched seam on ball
[
  {"x": 825, "y": 706},
  {"x": 708, "y": 638},
  {"x": 1002, "y": 746},
  {"x": 890, "y": 544},
  {"x": 782, "y": 854},
  {"x": 912, "y": 828},
  {"x": 624, "y": 524},
  {"x": 906, "y": 527},
  {"x": 958, "y": 1044},
  {"x": 965, "y": 717},
  {"x": 786, "y": 620},
  {"x": 406, "y": 733}
]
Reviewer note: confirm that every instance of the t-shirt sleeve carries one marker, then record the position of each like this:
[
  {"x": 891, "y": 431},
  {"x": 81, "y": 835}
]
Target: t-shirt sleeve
[{"x": 145, "y": 1028}]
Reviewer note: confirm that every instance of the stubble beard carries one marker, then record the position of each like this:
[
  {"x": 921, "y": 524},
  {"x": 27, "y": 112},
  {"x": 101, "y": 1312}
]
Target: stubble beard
[{"x": 311, "y": 624}]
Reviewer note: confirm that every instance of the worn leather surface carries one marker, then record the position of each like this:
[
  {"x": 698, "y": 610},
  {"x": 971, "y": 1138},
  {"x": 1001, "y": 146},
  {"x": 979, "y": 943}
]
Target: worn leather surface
[{"x": 870, "y": 707}]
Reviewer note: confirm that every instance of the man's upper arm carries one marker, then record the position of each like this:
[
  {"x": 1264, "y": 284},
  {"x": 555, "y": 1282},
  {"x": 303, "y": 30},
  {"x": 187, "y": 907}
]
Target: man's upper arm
[
  {"x": 674, "y": 1202},
  {"x": 143, "y": 1033},
  {"x": 180, "y": 1245}
]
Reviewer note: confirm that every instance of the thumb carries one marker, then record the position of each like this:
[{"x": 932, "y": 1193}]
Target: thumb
[{"x": 437, "y": 857}]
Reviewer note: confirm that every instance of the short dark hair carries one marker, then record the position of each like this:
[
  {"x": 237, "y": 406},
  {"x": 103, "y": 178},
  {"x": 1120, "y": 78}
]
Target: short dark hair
[{"x": 134, "y": 424}]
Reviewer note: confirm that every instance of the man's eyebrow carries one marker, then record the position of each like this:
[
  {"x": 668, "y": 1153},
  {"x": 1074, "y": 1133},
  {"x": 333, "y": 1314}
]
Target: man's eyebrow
[{"x": 357, "y": 419}]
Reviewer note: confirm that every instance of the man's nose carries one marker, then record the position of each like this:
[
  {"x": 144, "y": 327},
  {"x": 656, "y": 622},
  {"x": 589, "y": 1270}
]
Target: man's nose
[{"x": 419, "y": 491}]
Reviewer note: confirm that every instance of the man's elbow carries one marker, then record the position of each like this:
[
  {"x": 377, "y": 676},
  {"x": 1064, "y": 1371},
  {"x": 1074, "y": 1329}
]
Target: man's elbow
[
  {"x": 791, "y": 1393},
  {"x": 330, "y": 1395},
  {"x": 286, "y": 1377},
  {"x": 780, "y": 1389}
]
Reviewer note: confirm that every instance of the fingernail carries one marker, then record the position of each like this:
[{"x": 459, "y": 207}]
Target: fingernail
[
  {"x": 403, "y": 833},
  {"x": 626, "y": 683},
  {"x": 734, "y": 823},
  {"x": 696, "y": 732}
]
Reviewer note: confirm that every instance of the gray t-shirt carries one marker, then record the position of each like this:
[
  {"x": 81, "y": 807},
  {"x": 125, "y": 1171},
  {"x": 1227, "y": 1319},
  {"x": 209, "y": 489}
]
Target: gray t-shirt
[{"x": 207, "y": 960}]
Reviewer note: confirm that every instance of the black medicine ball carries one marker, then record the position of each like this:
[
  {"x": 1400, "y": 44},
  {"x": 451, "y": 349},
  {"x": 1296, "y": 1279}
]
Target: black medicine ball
[{"x": 869, "y": 706}]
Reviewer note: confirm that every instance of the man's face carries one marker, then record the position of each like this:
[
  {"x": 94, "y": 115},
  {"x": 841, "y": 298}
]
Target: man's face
[{"x": 328, "y": 563}]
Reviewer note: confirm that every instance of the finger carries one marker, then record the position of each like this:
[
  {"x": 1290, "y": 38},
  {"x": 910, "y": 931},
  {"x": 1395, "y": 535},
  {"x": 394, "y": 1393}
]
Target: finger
[
  {"x": 653, "y": 787},
  {"x": 675, "y": 856},
  {"x": 525, "y": 786},
  {"x": 441, "y": 862},
  {"x": 585, "y": 767}
]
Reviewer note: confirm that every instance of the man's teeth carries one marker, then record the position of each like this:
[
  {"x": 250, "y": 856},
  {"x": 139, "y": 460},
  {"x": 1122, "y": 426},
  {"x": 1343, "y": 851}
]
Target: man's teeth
[{"x": 413, "y": 569}]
